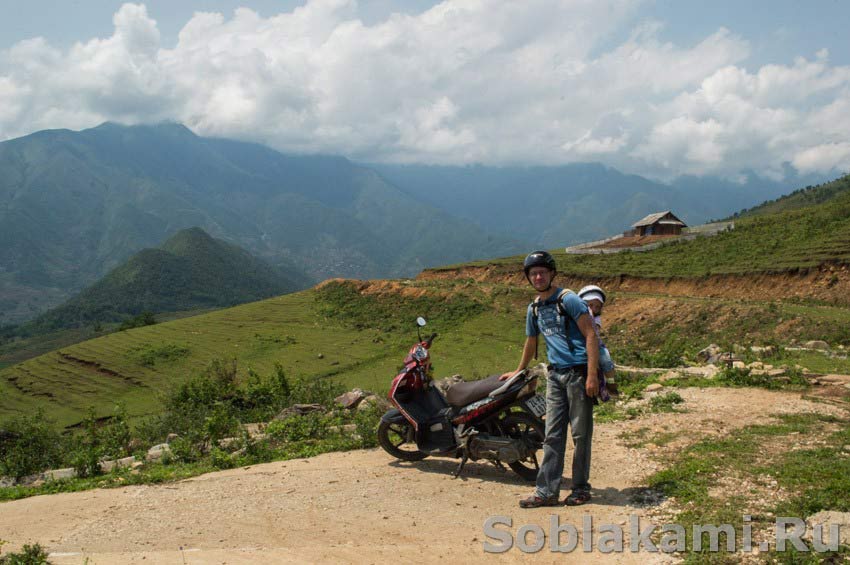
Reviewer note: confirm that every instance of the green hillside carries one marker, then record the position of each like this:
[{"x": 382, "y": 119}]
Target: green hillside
[
  {"x": 801, "y": 198},
  {"x": 301, "y": 331},
  {"x": 797, "y": 237},
  {"x": 189, "y": 271}
]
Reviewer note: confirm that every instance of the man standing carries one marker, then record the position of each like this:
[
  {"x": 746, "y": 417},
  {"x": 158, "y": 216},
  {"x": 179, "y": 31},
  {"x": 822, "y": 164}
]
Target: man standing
[{"x": 573, "y": 351}]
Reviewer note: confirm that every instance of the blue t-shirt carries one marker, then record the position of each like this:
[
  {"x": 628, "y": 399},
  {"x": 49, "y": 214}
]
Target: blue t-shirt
[{"x": 551, "y": 324}]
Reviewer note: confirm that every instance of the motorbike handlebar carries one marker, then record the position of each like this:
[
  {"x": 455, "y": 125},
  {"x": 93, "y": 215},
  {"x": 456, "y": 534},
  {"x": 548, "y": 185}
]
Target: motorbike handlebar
[{"x": 430, "y": 339}]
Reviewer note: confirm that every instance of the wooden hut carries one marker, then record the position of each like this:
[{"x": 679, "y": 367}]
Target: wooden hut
[{"x": 660, "y": 223}]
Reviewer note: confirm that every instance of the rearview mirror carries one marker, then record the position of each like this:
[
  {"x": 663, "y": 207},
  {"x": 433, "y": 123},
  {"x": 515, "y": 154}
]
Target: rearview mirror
[{"x": 420, "y": 321}]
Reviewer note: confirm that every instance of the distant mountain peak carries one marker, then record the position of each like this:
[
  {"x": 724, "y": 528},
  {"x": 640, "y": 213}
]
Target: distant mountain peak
[
  {"x": 168, "y": 127},
  {"x": 187, "y": 240}
]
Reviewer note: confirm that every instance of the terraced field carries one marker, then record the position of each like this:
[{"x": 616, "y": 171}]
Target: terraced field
[{"x": 133, "y": 366}]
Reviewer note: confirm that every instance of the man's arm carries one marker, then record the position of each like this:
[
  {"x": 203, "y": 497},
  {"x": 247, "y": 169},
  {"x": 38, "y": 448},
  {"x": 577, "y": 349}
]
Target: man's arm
[
  {"x": 528, "y": 351},
  {"x": 585, "y": 324}
]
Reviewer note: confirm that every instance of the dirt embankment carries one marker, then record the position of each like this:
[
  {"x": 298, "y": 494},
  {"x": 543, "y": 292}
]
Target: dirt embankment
[{"x": 830, "y": 283}]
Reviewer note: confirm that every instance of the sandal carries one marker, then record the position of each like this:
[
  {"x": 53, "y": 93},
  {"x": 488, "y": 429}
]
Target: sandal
[
  {"x": 536, "y": 502},
  {"x": 577, "y": 498}
]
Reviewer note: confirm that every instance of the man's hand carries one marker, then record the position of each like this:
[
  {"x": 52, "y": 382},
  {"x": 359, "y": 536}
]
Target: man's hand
[
  {"x": 592, "y": 386},
  {"x": 509, "y": 374}
]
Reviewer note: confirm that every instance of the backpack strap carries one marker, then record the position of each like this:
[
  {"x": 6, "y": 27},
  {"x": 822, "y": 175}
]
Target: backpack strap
[{"x": 535, "y": 304}]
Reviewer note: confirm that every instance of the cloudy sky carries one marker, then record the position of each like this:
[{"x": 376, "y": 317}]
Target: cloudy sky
[{"x": 659, "y": 88}]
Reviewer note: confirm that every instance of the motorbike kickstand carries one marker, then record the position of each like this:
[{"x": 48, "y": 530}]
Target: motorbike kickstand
[
  {"x": 463, "y": 461},
  {"x": 499, "y": 465}
]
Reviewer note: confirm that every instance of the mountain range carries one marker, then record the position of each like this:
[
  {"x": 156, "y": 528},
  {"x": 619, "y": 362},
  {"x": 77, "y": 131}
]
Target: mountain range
[
  {"x": 75, "y": 205},
  {"x": 558, "y": 206}
]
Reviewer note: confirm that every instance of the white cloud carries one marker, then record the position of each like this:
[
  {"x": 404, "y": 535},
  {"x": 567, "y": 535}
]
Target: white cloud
[
  {"x": 824, "y": 157},
  {"x": 468, "y": 80}
]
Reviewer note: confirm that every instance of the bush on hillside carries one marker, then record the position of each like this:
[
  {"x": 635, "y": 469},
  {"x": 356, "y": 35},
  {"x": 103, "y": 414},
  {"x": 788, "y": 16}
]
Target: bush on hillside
[
  {"x": 28, "y": 445},
  {"x": 211, "y": 406},
  {"x": 143, "y": 319}
]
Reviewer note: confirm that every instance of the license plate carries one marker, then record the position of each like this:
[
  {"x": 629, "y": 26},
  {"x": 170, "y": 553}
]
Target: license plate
[{"x": 537, "y": 405}]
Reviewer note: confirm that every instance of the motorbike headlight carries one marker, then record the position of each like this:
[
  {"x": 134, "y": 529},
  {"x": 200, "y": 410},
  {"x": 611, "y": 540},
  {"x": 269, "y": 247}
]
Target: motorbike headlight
[{"x": 420, "y": 353}]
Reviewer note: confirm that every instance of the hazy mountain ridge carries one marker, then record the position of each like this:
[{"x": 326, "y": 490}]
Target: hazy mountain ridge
[
  {"x": 73, "y": 205},
  {"x": 189, "y": 271},
  {"x": 555, "y": 206}
]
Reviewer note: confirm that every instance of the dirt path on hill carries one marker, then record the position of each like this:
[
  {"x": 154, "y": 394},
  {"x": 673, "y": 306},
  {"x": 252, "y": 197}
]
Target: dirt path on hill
[{"x": 362, "y": 506}]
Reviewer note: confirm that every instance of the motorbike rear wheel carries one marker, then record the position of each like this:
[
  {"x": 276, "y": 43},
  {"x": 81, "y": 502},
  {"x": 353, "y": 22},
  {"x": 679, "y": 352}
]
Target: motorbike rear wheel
[
  {"x": 528, "y": 429},
  {"x": 397, "y": 440}
]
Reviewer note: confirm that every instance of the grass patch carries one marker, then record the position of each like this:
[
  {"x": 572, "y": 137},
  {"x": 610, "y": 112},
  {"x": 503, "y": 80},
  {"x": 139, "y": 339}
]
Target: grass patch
[
  {"x": 343, "y": 301},
  {"x": 792, "y": 379},
  {"x": 151, "y": 354},
  {"x": 666, "y": 402},
  {"x": 820, "y": 476}
]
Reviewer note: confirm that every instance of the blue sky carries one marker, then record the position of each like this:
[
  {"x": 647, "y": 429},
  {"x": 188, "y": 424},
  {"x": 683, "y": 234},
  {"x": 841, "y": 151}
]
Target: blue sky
[{"x": 657, "y": 88}]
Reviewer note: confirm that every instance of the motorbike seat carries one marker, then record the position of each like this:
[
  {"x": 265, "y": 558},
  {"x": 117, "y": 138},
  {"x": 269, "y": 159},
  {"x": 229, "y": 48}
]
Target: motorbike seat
[{"x": 464, "y": 393}]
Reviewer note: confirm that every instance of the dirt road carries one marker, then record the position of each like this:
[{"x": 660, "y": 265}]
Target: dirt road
[{"x": 361, "y": 506}]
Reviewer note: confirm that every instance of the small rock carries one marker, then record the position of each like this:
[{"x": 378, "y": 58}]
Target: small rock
[
  {"x": 157, "y": 452},
  {"x": 321, "y": 355},
  {"x": 351, "y": 399},
  {"x": 669, "y": 375},
  {"x": 171, "y": 437},
  {"x": 709, "y": 354},
  {"x": 739, "y": 365},
  {"x": 229, "y": 442},
  {"x": 107, "y": 466},
  {"x": 56, "y": 474},
  {"x": 299, "y": 410},
  {"x": 817, "y": 344},
  {"x": 380, "y": 404},
  {"x": 827, "y": 518},
  {"x": 756, "y": 365},
  {"x": 653, "y": 387}
]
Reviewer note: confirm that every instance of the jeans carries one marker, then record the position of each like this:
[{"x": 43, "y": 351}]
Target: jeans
[
  {"x": 567, "y": 403},
  {"x": 605, "y": 361}
]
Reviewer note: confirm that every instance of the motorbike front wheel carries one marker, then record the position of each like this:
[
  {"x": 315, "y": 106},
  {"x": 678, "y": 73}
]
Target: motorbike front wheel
[
  {"x": 397, "y": 439},
  {"x": 529, "y": 430}
]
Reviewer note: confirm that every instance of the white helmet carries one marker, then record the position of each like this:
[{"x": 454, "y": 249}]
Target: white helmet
[{"x": 592, "y": 292}]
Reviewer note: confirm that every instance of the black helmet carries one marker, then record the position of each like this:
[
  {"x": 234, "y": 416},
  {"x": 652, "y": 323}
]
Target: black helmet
[{"x": 538, "y": 259}]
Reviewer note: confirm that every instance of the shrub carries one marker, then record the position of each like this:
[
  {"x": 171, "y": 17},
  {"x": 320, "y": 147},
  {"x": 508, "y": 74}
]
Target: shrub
[
  {"x": 29, "y": 555},
  {"x": 114, "y": 437},
  {"x": 149, "y": 355},
  {"x": 84, "y": 453},
  {"x": 28, "y": 445},
  {"x": 666, "y": 402},
  {"x": 143, "y": 319},
  {"x": 299, "y": 428}
]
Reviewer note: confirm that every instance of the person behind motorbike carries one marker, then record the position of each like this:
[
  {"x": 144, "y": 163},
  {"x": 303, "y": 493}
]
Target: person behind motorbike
[{"x": 572, "y": 383}]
